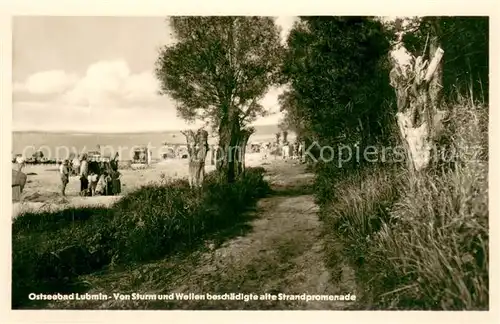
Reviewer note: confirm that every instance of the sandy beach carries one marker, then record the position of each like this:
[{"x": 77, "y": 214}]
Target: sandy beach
[{"x": 42, "y": 190}]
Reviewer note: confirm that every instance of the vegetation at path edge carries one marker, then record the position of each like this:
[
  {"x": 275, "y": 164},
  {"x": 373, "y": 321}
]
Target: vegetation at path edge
[
  {"x": 50, "y": 250},
  {"x": 416, "y": 240}
]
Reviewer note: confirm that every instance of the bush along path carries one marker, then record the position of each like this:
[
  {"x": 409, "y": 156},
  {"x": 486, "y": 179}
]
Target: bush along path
[
  {"x": 281, "y": 250},
  {"x": 51, "y": 250},
  {"x": 283, "y": 254}
]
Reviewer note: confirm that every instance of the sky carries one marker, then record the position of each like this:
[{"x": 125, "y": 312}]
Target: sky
[{"x": 96, "y": 74}]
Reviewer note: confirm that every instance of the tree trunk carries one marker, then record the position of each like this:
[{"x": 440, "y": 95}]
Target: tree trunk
[
  {"x": 436, "y": 83},
  {"x": 228, "y": 131},
  {"x": 246, "y": 136},
  {"x": 419, "y": 97},
  {"x": 197, "y": 150},
  {"x": 212, "y": 155},
  {"x": 242, "y": 142},
  {"x": 238, "y": 155},
  {"x": 19, "y": 179}
]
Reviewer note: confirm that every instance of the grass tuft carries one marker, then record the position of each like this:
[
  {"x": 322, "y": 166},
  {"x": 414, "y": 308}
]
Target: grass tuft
[
  {"x": 418, "y": 241},
  {"x": 50, "y": 250}
]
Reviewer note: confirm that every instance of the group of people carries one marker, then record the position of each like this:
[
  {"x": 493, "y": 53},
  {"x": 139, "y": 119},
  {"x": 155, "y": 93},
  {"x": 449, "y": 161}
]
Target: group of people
[
  {"x": 287, "y": 150},
  {"x": 96, "y": 177},
  {"x": 293, "y": 151}
]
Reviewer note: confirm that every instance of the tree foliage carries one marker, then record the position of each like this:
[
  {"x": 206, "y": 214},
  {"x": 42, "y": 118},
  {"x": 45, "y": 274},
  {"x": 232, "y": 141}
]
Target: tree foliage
[
  {"x": 338, "y": 76},
  {"x": 465, "y": 41},
  {"x": 220, "y": 66}
]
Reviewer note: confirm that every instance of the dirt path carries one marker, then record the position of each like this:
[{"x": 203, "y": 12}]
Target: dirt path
[{"x": 284, "y": 252}]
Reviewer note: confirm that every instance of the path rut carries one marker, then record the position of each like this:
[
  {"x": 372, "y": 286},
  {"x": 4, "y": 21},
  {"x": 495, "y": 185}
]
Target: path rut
[{"x": 284, "y": 252}]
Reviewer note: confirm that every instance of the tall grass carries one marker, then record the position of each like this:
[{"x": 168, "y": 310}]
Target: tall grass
[
  {"x": 358, "y": 205},
  {"x": 420, "y": 241},
  {"x": 49, "y": 251}
]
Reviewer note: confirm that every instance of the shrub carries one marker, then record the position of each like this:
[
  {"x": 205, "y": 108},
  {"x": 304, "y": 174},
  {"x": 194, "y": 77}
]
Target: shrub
[
  {"x": 152, "y": 219},
  {"x": 439, "y": 247},
  {"x": 48, "y": 260},
  {"x": 53, "y": 221},
  {"x": 51, "y": 251},
  {"x": 356, "y": 206},
  {"x": 419, "y": 241}
]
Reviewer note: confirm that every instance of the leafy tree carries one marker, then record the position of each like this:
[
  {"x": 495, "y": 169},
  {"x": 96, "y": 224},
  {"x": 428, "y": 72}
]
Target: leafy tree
[
  {"x": 465, "y": 41},
  {"x": 462, "y": 71},
  {"x": 417, "y": 80},
  {"x": 293, "y": 119},
  {"x": 218, "y": 71},
  {"x": 338, "y": 71}
]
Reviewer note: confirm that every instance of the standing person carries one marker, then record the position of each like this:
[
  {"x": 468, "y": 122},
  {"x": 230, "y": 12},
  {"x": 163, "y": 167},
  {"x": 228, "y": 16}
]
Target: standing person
[
  {"x": 114, "y": 175},
  {"x": 109, "y": 177},
  {"x": 150, "y": 156},
  {"x": 285, "y": 151},
  {"x": 84, "y": 172},
  {"x": 294, "y": 150},
  {"x": 75, "y": 164},
  {"x": 64, "y": 174},
  {"x": 102, "y": 185},
  {"x": 265, "y": 150},
  {"x": 114, "y": 162},
  {"x": 21, "y": 161},
  {"x": 101, "y": 167},
  {"x": 93, "y": 176}
]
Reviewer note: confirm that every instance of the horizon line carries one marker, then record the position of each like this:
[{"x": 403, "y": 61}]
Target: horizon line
[{"x": 117, "y": 132}]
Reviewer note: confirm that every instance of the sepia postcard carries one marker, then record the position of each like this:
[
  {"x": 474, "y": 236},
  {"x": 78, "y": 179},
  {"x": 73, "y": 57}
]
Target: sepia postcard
[{"x": 273, "y": 159}]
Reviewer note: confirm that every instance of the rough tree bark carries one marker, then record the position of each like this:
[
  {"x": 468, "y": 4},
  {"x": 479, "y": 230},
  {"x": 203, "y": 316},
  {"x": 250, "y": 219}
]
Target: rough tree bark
[
  {"x": 241, "y": 146},
  {"x": 228, "y": 135},
  {"x": 212, "y": 154},
  {"x": 18, "y": 183},
  {"x": 418, "y": 91},
  {"x": 197, "y": 149},
  {"x": 285, "y": 136}
]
